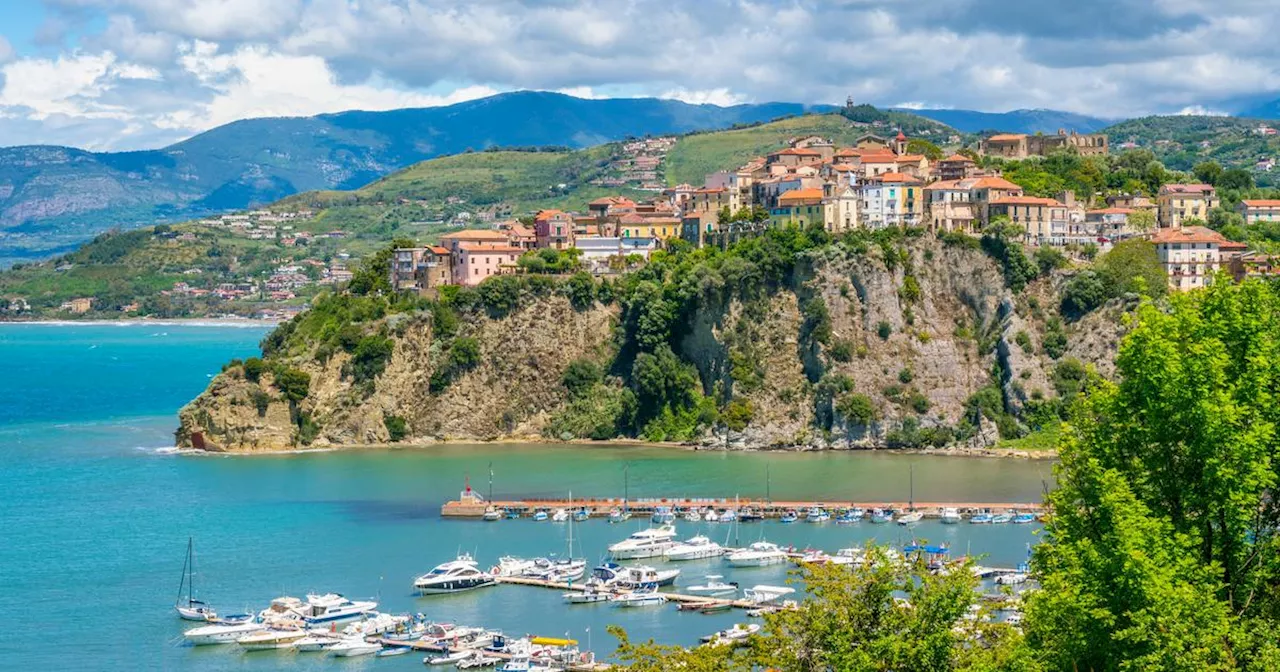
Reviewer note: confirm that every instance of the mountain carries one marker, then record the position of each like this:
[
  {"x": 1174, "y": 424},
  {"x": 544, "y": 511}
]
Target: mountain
[
  {"x": 55, "y": 197},
  {"x": 1263, "y": 110},
  {"x": 1017, "y": 121},
  {"x": 1181, "y": 141}
]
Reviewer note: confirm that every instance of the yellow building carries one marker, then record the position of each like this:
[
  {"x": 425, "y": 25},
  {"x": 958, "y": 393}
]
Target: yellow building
[
  {"x": 801, "y": 207},
  {"x": 1176, "y": 203},
  {"x": 637, "y": 226}
]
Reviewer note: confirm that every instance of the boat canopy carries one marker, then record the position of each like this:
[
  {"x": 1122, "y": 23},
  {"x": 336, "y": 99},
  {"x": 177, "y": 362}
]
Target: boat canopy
[
  {"x": 913, "y": 548},
  {"x": 553, "y": 641}
]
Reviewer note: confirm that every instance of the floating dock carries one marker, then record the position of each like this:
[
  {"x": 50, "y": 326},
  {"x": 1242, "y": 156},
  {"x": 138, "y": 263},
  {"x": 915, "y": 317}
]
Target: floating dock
[
  {"x": 427, "y": 647},
  {"x": 678, "y": 598},
  {"x": 471, "y": 505}
]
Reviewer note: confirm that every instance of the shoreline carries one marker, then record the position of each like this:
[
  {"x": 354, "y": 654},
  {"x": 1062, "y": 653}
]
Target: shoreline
[
  {"x": 959, "y": 452},
  {"x": 245, "y": 322}
]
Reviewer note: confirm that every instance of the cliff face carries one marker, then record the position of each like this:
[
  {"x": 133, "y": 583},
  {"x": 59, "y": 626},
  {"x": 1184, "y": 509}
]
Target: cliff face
[{"x": 919, "y": 334}]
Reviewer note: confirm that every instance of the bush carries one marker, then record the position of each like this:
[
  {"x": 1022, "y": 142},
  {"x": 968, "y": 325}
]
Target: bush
[
  {"x": 1055, "y": 339},
  {"x": 883, "y": 330},
  {"x": 856, "y": 409},
  {"x": 910, "y": 291},
  {"x": 396, "y": 426},
  {"x": 370, "y": 357},
  {"x": 253, "y": 368},
  {"x": 580, "y": 376},
  {"x": 737, "y": 414},
  {"x": 842, "y": 350},
  {"x": 464, "y": 355},
  {"x": 581, "y": 290},
  {"x": 293, "y": 383},
  {"x": 261, "y": 402},
  {"x": 905, "y": 376},
  {"x": 1023, "y": 339},
  {"x": 817, "y": 321},
  {"x": 1049, "y": 259},
  {"x": 919, "y": 403}
]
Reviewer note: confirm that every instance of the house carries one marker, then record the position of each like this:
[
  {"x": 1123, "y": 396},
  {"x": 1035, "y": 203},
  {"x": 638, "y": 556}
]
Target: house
[
  {"x": 1111, "y": 224},
  {"x": 949, "y": 206},
  {"x": 477, "y": 263},
  {"x": 1176, "y": 203},
  {"x": 1021, "y": 145},
  {"x": 891, "y": 199},
  {"x": 78, "y": 306},
  {"x": 421, "y": 268},
  {"x": 639, "y": 226},
  {"x": 519, "y": 235},
  {"x": 462, "y": 263},
  {"x": 553, "y": 229},
  {"x": 1254, "y": 265},
  {"x": 840, "y": 207},
  {"x": 1190, "y": 255},
  {"x": 1259, "y": 210},
  {"x": 599, "y": 252},
  {"x": 956, "y": 167},
  {"x": 801, "y": 207},
  {"x": 1043, "y": 220}
]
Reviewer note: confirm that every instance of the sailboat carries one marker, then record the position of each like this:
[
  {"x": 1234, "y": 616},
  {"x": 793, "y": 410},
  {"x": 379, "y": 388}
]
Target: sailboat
[
  {"x": 564, "y": 569},
  {"x": 191, "y": 609}
]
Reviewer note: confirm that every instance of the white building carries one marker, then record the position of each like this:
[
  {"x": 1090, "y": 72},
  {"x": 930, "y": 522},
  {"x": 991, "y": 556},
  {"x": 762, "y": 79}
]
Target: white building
[{"x": 1190, "y": 255}]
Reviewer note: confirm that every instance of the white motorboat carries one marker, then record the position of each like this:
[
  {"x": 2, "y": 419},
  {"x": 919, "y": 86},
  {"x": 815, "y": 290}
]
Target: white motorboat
[
  {"x": 315, "y": 642},
  {"x": 910, "y": 518},
  {"x": 732, "y": 635},
  {"x": 594, "y": 591},
  {"x": 692, "y": 516},
  {"x": 815, "y": 557},
  {"x": 477, "y": 660},
  {"x": 220, "y": 633},
  {"x": 563, "y": 569},
  {"x": 817, "y": 514},
  {"x": 454, "y": 576},
  {"x": 452, "y": 658},
  {"x": 663, "y": 515},
  {"x": 767, "y": 594},
  {"x": 758, "y": 554},
  {"x": 560, "y": 516},
  {"x": 950, "y": 515},
  {"x": 848, "y": 556},
  {"x": 648, "y": 543},
  {"x": 695, "y": 548},
  {"x": 269, "y": 640},
  {"x": 711, "y": 516},
  {"x": 1013, "y": 579},
  {"x": 614, "y": 575},
  {"x": 351, "y": 647},
  {"x": 492, "y": 514},
  {"x": 646, "y": 597},
  {"x": 512, "y": 566},
  {"x": 375, "y": 624},
  {"x": 713, "y": 587},
  {"x": 728, "y": 516},
  {"x": 619, "y": 516},
  {"x": 540, "y": 515},
  {"x": 332, "y": 607}
]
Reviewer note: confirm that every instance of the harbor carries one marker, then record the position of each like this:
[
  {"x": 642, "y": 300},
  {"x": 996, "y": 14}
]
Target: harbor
[{"x": 471, "y": 505}]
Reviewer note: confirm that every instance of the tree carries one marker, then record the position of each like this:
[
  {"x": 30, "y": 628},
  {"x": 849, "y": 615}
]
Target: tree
[
  {"x": 580, "y": 376},
  {"x": 1235, "y": 178},
  {"x": 1208, "y": 172},
  {"x": 856, "y": 410},
  {"x": 293, "y": 383},
  {"x": 1142, "y": 220},
  {"x": 922, "y": 146},
  {"x": 1134, "y": 267}
]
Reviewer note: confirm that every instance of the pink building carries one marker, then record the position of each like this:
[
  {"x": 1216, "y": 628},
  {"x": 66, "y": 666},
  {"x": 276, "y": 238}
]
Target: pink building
[{"x": 479, "y": 262}]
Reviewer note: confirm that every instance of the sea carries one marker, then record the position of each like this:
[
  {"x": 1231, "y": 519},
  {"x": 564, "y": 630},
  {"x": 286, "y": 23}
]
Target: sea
[{"x": 98, "y": 509}]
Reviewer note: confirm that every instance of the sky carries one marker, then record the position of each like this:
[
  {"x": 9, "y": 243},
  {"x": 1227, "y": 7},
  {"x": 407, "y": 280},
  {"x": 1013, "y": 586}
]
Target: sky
[{"x": 133, "y": 74}]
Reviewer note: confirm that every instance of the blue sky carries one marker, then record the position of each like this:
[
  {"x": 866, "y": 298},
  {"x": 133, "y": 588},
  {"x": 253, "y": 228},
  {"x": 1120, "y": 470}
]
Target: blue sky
[{"x": 127, "y": 74}]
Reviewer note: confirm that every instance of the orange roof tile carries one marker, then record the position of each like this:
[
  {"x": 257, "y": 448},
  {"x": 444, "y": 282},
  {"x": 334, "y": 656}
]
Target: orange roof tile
[
  {"x": 797, "y": 152},
  {"x": 476, "y": 234},
  {"x": 1261, "y": 203},
  {"x": 800, "y": 195},
  {"x": 994, "y": 183},
  {"x": 880, "y": 157},
  {"x": 1186, "y": 188},
  {"x": 1232, "y": 246},
  {"x": 490, "y": 249},
  {"x": 897, "y": 177},
  {"x": 945, "y": 184},
  {"x": 912, "y": 158},
  {"x": 1188, "y": 234},
  {"x": 436, "y": 249},
  {"x": 1006, "y": 137},
  {"x": 957, "y": 158},
  {"x": 1111, "y": 211}
]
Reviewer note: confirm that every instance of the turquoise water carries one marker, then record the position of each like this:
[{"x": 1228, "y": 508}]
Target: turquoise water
[{"x": 95, "y": 519}]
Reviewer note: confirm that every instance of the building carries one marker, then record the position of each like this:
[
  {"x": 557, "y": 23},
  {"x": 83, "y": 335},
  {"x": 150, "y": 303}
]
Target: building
[
  {"x": 599, "y": 252},
  {"x": 477, "y": 263},
  {"x": 956, "y": 167},
  {"x": 1021, "y": 145},
  {"x": 1109, "y": 225},
  {"x": 1177, "y": 203},
  {"x": 800, "y": 207},
  {"x": 639, "y": 226},
  {"x": 1190, "y": 255},
  {"x": 519, "y": 235},
  {"x": 78, "y": 306},
  {"x": 421, "y": 268},
  {"x": 891, "y": 199},
  {"x": 1259, "y": 210},
  {"x": 553, "y": 229},
  {"x": 1043, "y": 220},
  {"x": 949, "y": 206},
  {"x": 1254, "y": 265}
]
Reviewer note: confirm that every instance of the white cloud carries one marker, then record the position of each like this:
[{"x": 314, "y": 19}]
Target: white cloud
[
  {"x": 582, "y": 92},
  {"x": 56, "y": 86},
  {"x": 6, "y": 51},
  {"x": 721, "y": 96},
  {"x": 1201, "y": 111}
]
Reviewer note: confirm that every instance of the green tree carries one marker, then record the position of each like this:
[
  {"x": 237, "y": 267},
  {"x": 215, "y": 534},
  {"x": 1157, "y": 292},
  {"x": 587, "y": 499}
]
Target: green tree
[
  {"x": 1208, "y": 172},
  {"x": 580, "y": 376},
  {"x": 295, "y": 384},
  {"x": 1143, "y": 220}
]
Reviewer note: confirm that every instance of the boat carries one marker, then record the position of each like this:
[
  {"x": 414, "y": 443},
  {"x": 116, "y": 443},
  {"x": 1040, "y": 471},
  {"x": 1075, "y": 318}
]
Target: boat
[
  {"x": 393, "y": 651},
  {"x": 910, "y": 518},
  {"x": 815, "y": 557},
  {"x": 641, "y": 597},
  {"x": 817, "y": 514},
  {"x": 663, "y": 515},
  {"x": 692, "y": 516},
  {"x": 619, "y": 516},
  {"x": 560, "y": 516},
  {"x": 694, "y": 548},
  {"x": 981, "y": 518},
  {"x": 540, "y": 515},
  {"x": 512, "y": 566},
  {"x": 376, "y": 624},
  {"x": 713, "y": 587},
  {"x": 1012, "y": 579},
  {"x": 758, "y": 554},
  {"x": 615, "y": 575},
  {"x": 1024, "y": 518},
  {"x": 563, "y": 569},
  {"x": 315, "y": 642},
  {"x": 221, "y": 633},
  {"x": 593, "y": 592},
  {"x": 711, "y": 516},
  {"x": 750, "y": 515},
  {"x": 950, "y": 516},
  {"x": 728, "y": 516},
  {"x": 581, "y": 515},
  {"x": 849, "y": 516},
  {"x": 1001, "y": 518},
  {"x": 448, "y": 658},
  {"x": 332, "y": 607},
  {"x": 881, "y": 515},
  {"x": 476, "y": 660},
  {"x": 351, "y": 647},
  {"x": 492, "y": 514},
  {"x": 789, "y": 516},
  {"x": 191, "y": 609},
  {"x": 764, "y": 595},
  {"x": 648, "y": 543},
  {"x": 715, "y": 607},
  {"x": 454, "y": 576},
  {"x": 512, "y": 514},
  {"x": 272, "y": 639},
  {"x": 737, "y": 633},
  {"x": 848, "y": 556}
]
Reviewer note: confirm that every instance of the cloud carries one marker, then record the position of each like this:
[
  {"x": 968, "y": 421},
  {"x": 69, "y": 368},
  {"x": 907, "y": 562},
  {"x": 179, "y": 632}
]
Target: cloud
[
  {"x": 6, "y": 51},
  {"x": 165, "y": 66}
]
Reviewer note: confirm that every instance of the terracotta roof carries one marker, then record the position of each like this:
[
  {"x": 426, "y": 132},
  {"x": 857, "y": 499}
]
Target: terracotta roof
[
  {"x": 612, "y": 200},
  {"x": 844, "y": 167},
  {"x": 993, "y": 183},
  {"x": 710, "y": 190},
  {"x": 476, "y": 234},
  {"x": 1111, "y": 211},
  {"x": 1025, "y": 200},
  {"x": 1232, "y": 246},
  {"x": 520, "y": 230},
  {"x": 958, "y": 158},
  {"x": 797, "y": 152},
  {"x": 912, "y": 158},
  {"x": 946, "y": 184},
  {"x": 490, "y": 249},
  {"x": 1261, "y": 203},
  {"x": 880, "y": 157},
  {"x": 800, "y": 195},
  {"x": 848, "y": 151},
  {"x": 1186, "y": 188},
  {"x": 897, "y": 177},
  {"x": 436, "y": 249},
  {"x": 1188, "y": 234},
  {"x": 1006, "y": 137},
  {"x": 901, "y": 136}
]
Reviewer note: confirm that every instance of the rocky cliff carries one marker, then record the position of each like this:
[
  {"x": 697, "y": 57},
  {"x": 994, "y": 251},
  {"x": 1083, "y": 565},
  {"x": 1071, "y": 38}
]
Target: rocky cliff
[{"x": 923, "y": 331}]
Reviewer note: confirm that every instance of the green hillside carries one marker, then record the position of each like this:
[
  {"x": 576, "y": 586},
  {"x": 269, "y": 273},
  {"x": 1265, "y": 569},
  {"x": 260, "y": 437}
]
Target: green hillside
[{"x": 1180, "y": 142}]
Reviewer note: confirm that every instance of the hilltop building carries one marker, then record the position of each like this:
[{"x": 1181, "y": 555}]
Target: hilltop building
[{"x": 1021, "y": 145}]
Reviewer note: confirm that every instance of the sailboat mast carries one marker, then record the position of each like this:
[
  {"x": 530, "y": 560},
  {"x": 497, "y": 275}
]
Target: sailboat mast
[
  {"x": 571, "y": 516},
  {"x": 626, "y": 483},
  {"x": 768, "y": 484},
  {"x": 491, "y": 483},
  {"x": 911, "y": 485}
]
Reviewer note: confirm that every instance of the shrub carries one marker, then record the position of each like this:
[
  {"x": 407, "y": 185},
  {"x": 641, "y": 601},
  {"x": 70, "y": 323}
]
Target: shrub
[
  {"x": 580, "y": 376},
  {"x": 581, "y": 290},
  {"x": 370, "y": 357},
  {"x": 842, "y": 350},
  {"x": 883, "y": 330},
  {"x": 464, "y": 355},
  {"x": 396, "y": 426},
  {"x": 1023, "y": 339},
  {"x": 253, "y": 368},
  {"x": 1055, "y": 339},
  {"x": 737, "y": 414},
  {"x": 293, "y": 383},
  {"x": 856, "y": 409},
  {"x": 919, "y": 403},
  {"x": 910, "y": 290},
  {"x": 905, "y": 376},
  {"x": 261, "y": 402},
  {"x": 817, "y": 321}
]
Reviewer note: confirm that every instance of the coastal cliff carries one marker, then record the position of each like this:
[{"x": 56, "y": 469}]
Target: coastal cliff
[{"x": 914, "y": 343}]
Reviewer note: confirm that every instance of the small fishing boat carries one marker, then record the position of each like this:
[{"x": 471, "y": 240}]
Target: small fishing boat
[
  {"x": 711, "y": 516},
  {"x": 617, "y": 576},
  {"x": 981, "y": 518},
  {"x": 750, "y": 515},
  {"x": 447, "y": 658},
  {"x": 650, "y": 543},
  {"x": 492, "y": 514},
  {"x": 1001, "y": 518},
  {"x": 1024, "y": 518},
  {"x": 592, "y": 593},
  {"x": 910, "y": 518},
  {"x": 644, "y": 597},
  {"x": 758, "y": 554},
  {"x": 1013, "y": 579},
  {"x": 393, "y": 651},
  {"x": 713, "y": 587},
  {"x": 581, "y": 515},
  {"x": 695, "y": 548},
  {"x": 715, "y": 607},
  {"x": 817, "y": 514},
  {"x": 764, "y": 595},
  {"x": 191, "y": 609},
  {"x": 737, "y": 633},
  {"x": 950, "y": 516},
  {"x": 789, "y": 516},
  {"x": 270, "y": 640},
  {"x": 560, "y": 516},
  {"x": 540, "y": 515},
  {"x": 881, "y": 515},
  {"x": 663, "y": 515},
  {"x": 728, "y": 516},
  {"x": 352, "y": 647},
  {"x": 512, "y": 514},
  {"x": 454, "y": 576},
  {"x": 477, "y": 660},
  {"x": 619, "y": 516},
  {"x": 815, "y": 557},
  {"x": 849, "y": 516},
  {"x": 220, "y": 633}
]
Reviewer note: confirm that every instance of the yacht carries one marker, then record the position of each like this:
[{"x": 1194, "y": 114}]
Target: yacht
[
  {"x": 817, "y": 514},
  {"x": 492, "y": 514},
  {"x": 713, "y": 587},
  {"x": 767, "y": 594},
  {"x": 540, "y": 515},
  {"x": 512, "y": 566},
  {"x": 750, "y": 515},
  {"x": 563, "y": 569},
  {"x": 269, "y": 640},
  {"x": 848, "y": 556},
  {"x": 728, "y": 516},
  {"x": 650, "y": 543},
  {"x": 758, "y": 554},
  {"x": 695, "y": 548},
  {"x": 351, "y": 647},
  {"x": 453, "y": 576},
  {"x": 219, "y": 633},
  {"x": 815, "y": 557},
  {"x": 692, "y": 516},
  {"x": 950, "y": 515},
  {"x": 560, "y": 516},
  {"x": 910, "y": 518},
  {"x": 641, "y": 597},
  {"x": 737, "y": 633},
  {"x": 711, "y": 516},
  {"x": 612, "y": 574},
  {"x": 332, "y": 607},
  {"x": 1011, "y": 579},
  {"x": 663, "y": 515},
  {"x": 882, "y": 515},
  {"x": 189, "y": 608},
  {"x": 619, "y": 516},
  {"x": 789, "y": 516},
  {"x": 315, "y": 642}
]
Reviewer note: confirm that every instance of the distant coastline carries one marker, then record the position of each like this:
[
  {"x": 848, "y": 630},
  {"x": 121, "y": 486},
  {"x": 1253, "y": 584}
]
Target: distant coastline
[{"x": 159, "y": 322}]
